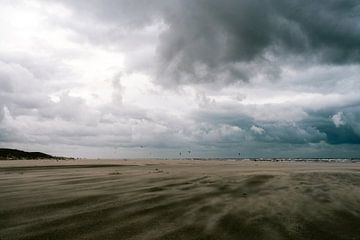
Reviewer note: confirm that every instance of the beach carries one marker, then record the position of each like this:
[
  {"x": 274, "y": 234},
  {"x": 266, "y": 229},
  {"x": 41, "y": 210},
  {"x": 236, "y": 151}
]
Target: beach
[{"x": 178, "y": 199}]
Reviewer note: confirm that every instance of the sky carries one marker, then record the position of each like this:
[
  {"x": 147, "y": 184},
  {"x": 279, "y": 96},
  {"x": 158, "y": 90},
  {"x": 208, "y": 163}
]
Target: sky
[{"x": 207, "y": 78}]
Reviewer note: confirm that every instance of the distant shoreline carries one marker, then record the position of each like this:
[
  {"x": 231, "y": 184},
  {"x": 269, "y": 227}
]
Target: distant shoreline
[
  {"x": 7, "y": 154},
  {"x": 313, "y": 160},
  {"x": 15, "y": 154}
]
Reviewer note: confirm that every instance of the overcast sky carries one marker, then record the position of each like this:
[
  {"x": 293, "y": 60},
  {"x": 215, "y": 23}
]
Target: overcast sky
[{"x": 140, "y": 78}]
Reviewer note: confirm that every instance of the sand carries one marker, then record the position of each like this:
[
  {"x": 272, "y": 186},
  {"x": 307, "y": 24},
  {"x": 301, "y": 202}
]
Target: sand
[{"x": 173, "y": 199}]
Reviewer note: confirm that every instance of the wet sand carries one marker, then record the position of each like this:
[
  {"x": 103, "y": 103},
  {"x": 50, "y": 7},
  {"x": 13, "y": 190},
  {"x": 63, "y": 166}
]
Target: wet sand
[{"x": 173, "y": 199}]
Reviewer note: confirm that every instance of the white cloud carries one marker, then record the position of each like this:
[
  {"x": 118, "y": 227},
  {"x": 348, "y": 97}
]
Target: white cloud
[
  {"x": 257, "y": 130},
  {"x": 338, "y": 119}
]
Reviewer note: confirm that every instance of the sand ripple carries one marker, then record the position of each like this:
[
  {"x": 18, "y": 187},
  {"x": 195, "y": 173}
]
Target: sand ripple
[{"x": 180, "y": 201}]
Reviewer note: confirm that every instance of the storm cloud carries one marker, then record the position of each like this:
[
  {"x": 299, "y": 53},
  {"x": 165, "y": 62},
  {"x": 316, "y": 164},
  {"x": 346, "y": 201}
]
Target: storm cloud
[
  {"x": 207, "y": 39},
  {"x": 102, "y": 78}
]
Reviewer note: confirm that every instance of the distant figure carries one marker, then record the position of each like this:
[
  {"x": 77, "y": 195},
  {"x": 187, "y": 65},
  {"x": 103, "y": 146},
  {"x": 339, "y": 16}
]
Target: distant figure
[
  {"x": 239, "y": 154},
  {"x": 189, "y": 152},
  {"x": 180, "y": 153},
  {"x": 141, "y": 146}
]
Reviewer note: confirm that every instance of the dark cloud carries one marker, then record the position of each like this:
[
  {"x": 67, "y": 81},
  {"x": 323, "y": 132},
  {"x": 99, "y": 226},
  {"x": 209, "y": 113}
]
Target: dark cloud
[
  {"x": 330, "y": 28},
  {"x": 345, "y": 133},
  {"x": 221, "y": 33},
  {"x": 315, "y": 126},
  {"x": 207, "y": 40},
  {"x": 290, "y": 133}
]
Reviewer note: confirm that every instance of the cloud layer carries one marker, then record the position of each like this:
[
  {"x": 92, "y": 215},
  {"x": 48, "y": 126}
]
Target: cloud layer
[{"x": 139, "y": 79}]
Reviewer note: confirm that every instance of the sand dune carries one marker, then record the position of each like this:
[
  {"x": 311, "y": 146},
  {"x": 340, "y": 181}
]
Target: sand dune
[{"x": 146, "y": 199}]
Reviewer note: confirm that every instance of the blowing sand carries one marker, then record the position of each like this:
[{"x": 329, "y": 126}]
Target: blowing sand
[{"x": 144, "y": 199}]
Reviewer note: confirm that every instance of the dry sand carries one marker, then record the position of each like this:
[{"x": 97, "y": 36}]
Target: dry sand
[{"x": 144, "y": 199}]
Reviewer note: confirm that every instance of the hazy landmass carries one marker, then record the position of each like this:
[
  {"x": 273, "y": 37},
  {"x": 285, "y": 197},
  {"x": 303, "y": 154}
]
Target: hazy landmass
[
  {"x": 148, "y": 199},
  {"x": 15, "y": 154}
]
